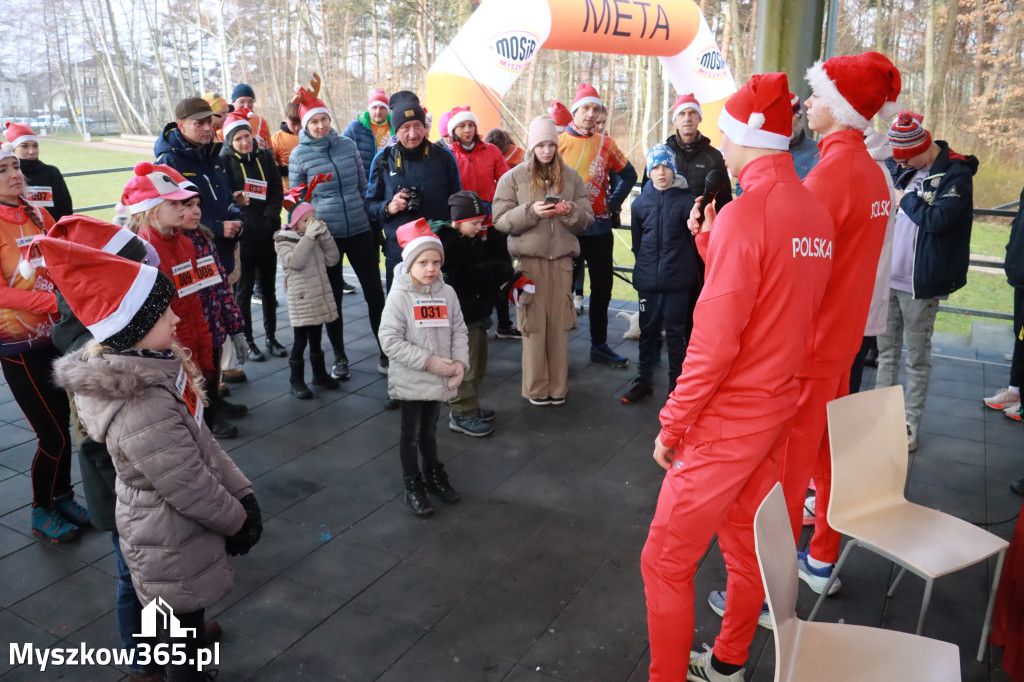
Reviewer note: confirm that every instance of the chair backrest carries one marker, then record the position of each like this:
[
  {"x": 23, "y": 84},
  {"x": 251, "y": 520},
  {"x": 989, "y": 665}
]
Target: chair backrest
[
  {"x": 868, "y": 435},
  {"x": 776, "y": 555}
]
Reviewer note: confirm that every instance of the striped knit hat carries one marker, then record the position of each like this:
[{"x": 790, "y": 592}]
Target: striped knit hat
[{"x": 907, "y": 136}]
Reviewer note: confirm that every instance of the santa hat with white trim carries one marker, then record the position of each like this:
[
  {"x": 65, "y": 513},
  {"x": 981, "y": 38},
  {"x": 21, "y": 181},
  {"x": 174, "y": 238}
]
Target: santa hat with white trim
[
  {"x": 684, "y": 102},
  {"x": 236, "y": 120},
  {"x": 759, "y": 113},
  {"x": 585, "y": 94},
  {"x": 151, "y": 185},
  {"x": 560, "y": 115},
  {"x": 309, "y": 105},
  {"x": 118, "y": 300},
  {"x": 7, "y": 151},
  {"x": 415, "y": 238},
  {"x": 379, "y": 98},
  {"x": 96, "y": 234},
  {"x": 19, "y": 133},
  {"x": 857, "y": 87},
  {"x": 461, "y": 115}
]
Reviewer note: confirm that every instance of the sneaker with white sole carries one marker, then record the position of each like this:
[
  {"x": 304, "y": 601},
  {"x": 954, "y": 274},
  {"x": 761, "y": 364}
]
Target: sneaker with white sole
[
  {"x": 470, "y": 425},
  {"x": 716, "y": 600},
  {"x": 1003, "y": 399},
  {"x": 911, "y": 437},
  {"x": 809, "y": 510},
  {"x": 700, "y": 669},
  {"x": 816, "y": 578},
  {"x": 540, "y": 402},
  {"x": 1013, "y": 411}
]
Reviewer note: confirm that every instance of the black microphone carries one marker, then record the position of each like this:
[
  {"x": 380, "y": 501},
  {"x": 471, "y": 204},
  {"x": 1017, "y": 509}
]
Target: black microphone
[{"x": 715, "y": 182}]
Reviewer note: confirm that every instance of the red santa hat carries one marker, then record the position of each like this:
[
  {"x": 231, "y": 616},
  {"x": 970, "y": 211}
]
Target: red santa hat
[
  {"x": 151, "y": 185},
  {"x": 560, "y": 114},
  {"x": 415, "y": 238},
  {"x": 309, "y": 105},
  {"x": 379, "y": 98},
  {"x": 19, "y": 133},
  {"x": 118, "y": 300},
  {"x": 686, "y": 101},
  {"x": 857, "y": 87},
  {"x": 759, "y": 114},
  {"x": 91, "y": 232},
  {"x": 585, "y": 94},
  {"x": 239, "y": 118},
  {"x": 461, "y": 115}
]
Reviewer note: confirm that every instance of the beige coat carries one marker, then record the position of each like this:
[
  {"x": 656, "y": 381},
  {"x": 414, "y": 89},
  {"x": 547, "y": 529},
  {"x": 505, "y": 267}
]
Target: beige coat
[
  {"x": 305, "y": 261},
  {"x": 529, "y": 234},
  {"x": 177, "y": 491}
]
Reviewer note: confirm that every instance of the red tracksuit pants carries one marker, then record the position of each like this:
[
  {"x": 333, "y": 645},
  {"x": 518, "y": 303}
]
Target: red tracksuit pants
[
  {"x": 808, "y": 455},
  {"x": 715, "y": 486}
]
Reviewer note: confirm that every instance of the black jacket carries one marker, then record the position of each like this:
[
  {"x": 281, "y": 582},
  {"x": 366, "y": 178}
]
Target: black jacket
[
  {"x": 695, "y": 160},
  {"x": 261, "y": 218},
  {"x": 1014, "y": 266},
  {"x": 475, "y": 277},
  {"x": 666, "y": 255},
  {"x": 39, "y": 174},
  {"x": 943, "y": 211}
]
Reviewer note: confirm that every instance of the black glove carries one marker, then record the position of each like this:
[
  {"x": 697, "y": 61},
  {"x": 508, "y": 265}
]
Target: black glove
[{"x": 244, "y": 540}]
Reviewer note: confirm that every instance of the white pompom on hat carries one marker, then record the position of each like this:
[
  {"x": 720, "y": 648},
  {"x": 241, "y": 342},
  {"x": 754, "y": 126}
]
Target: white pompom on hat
[
  {"x": 239, "y": 118},
  {"x": 151, "y": 185},
  {"x": 759, "y": 114},
  {"x": 857, "y": 87}
]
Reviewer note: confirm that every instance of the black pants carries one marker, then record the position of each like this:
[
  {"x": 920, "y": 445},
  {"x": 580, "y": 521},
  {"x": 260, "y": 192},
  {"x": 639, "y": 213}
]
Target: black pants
[
  {"x": 419, "y": 431},
  {"x": 497, "y": 248},
  {"x": 1017, "y": 364},
  {"x": 303, "y": 335},
  {"x": 857, "y": 371},
  {"x": 670, "y": 309},
  {"x": 596, "y": 251},
  {"x": 185, "y": 673},
  {"x": 261, "y": 266},
  {"x": 364, "y": 257},
  {"x": 48, "y": 412}
]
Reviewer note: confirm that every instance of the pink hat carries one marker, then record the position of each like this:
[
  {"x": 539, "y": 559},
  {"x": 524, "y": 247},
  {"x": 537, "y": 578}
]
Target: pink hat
[
  {"x": 239, "y": 118},
  {"x": 907, "y": 136},
  {"x": 151, "y": 185},
  {"x": 585, "y": 94},
  {"x": 542, "y": 129},
  {"x": 461, "y": 115},
  {"x": 759, "y": 114},
  {"x": 686, "y": 101},
  {"x": 415, "y": 238},
  {"x": 309, "y": 106},
  {"x": 297, "y": 201},
  {"x": 443, "y": 124},
  {"x": 19, "y": 133},
  {"x": 91, "y": 232},
  {"x": 379, "y": 98},
  {"x": 857, "y": 87},
  {"x": 560, "y": 115}
]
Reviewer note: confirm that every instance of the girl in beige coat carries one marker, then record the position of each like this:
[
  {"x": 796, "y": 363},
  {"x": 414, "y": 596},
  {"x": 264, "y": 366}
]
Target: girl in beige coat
[
  {"x": 542, "y": 235},
  {"x": 306, "y": 250}
]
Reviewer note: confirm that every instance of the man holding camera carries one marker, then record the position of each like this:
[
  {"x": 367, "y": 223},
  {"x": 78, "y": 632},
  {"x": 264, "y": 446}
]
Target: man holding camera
[{"x": 410, "y": 179}]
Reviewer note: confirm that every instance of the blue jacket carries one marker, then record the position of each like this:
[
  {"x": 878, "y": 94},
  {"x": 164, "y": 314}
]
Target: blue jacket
[
  {"x": 666, "y": 255},
  {"x": 359, "y": 132},
  {"x": 805, "y": 154},
  {"x": 944, "y": 213},
  {"x": 204, "y": 167},
  {"x": 339, "y": 201}
]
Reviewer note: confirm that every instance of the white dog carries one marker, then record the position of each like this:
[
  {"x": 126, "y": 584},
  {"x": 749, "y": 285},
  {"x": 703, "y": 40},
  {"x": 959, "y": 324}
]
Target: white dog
[{"x": 634, "y": 324}]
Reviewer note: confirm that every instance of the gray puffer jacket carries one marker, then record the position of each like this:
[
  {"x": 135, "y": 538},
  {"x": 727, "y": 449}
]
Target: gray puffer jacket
[
  {"x": 409, "y": 347},
  {"x": 305, "y": 261},
  {"x": 338, "y": 201},
  {"x": 178, "y": 492}
]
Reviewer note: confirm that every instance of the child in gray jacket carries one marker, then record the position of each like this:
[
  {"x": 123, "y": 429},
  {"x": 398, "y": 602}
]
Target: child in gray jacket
[{"x": 425, "y": 337}]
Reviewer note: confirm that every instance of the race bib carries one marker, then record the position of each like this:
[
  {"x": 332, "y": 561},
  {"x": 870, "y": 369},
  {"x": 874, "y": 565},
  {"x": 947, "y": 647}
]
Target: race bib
[
  {"x": 430, "y": 312},
  {"x": 187, "y": 391},
  {"x": 40, "y": 196},
  {"x": 184, "y": 278},
  {"x": 22, "y": 242},
  {"x": 255, "y": 189},
  {"x": 206, "y": 273}
]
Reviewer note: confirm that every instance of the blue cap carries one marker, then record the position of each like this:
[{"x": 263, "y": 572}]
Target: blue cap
[
  {"x": 242, "y": 90},
  {"x": 661, "y": 155}
]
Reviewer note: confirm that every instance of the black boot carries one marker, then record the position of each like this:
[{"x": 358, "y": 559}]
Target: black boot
[
  {"x": 436, "y": 482},
  {"x": 299, "y": 388},
  {"x": 320, "y": 375},
  {"x": 218, "y": 425},
  {"x": 416, "y": 496}
]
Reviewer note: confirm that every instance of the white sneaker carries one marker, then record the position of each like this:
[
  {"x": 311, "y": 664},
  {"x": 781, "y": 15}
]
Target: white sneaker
[
  {"x": 1013, "y": 411},
  {"x": 700, "y": 669},
  {"x": 716, "y": 600},
  {"x": 911, "y": 437},
  {"x": 816, "y": 578},
  {"x": 809, "y": 510},
  {"x": 1003, "y": 399}
]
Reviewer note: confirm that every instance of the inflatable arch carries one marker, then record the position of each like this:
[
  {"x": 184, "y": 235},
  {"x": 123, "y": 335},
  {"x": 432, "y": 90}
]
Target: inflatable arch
[{"x": 502, "y": 36}]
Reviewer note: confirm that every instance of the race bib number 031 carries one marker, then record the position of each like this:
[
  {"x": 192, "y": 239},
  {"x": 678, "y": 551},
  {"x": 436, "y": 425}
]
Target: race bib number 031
[{"x": 430, "y": 313}]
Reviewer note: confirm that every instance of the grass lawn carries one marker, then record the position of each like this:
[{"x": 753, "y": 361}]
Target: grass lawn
[{"x": 92, "y": 190}]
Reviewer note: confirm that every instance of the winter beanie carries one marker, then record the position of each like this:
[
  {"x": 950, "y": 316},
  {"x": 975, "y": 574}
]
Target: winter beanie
[
  {"x": 907, "y": 136},
  {"x": 466, "y": 205},
  {"x": 542, "y": 129},
  {"x": 405, "y": 107},
  {"x": 242, "y": 90},
  {"x": 661, "y": 155}
]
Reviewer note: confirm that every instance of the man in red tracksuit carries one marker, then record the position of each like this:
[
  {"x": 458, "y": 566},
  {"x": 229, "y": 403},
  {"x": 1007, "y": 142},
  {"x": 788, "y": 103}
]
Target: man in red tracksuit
[
  {"x": 768, "y": 257},
  {"x": 847, "y": 92}
]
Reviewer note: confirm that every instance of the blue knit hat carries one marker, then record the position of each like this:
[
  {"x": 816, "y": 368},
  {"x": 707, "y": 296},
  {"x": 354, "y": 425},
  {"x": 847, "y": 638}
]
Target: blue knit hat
[
  {"x": 242, "y": 90},
  {"x": 661, "y": 155}
]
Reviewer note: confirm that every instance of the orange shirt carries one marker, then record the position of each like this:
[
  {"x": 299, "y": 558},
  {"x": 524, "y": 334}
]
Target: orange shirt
[
  {"x": 26, "y": 304},
  {"x": 514, "y": 156},
  {"x": 381, "y": 134},
  {"x": 591, "y": 157}
]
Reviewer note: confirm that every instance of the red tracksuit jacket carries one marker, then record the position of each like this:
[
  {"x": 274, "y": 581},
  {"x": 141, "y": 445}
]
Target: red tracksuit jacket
[{"x": 768, "y": 258}]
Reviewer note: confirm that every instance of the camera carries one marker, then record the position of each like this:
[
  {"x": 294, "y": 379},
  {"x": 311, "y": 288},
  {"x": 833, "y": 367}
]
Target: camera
[{"x": 413, "y": 203}]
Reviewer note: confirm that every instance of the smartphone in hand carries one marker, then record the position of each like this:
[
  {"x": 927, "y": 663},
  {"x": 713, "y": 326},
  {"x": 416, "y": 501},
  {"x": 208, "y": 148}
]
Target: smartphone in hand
[{"x": 552, "y": 200}]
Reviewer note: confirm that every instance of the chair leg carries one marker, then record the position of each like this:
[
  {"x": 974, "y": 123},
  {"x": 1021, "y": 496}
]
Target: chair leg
[
  {"x": 991, "y": 603},
  {"x": 832, "y": 578},
  {"x": 924, "y": 604},
  {"x": 895, "y": 583}
]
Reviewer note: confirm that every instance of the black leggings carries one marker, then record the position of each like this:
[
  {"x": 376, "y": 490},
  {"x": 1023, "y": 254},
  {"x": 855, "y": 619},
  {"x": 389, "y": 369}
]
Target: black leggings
[
  {"x": 184, "y": 672},
  {"x": 497, "y": 248},
  {"x": 597, "y": 252},
  {"x": 264, "y": 268},
  {"x": 302, "y": 335},
  {"x": 364, "y": 257},
  {"x": 48, "y": 412},
  {"x": 419, "y": 428}
]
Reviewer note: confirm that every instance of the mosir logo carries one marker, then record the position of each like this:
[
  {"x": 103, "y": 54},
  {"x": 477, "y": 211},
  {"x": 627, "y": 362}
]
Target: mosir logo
[
  {"x": 712, "y": 63},
  {"x": 514, "y": 49},
  {"x": 812, "y": 248}
]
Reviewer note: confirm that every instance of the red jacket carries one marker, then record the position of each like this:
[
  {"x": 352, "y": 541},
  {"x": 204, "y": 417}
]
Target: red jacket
[
  {"x": 193, "y": 329},
  {"x": 768, "y": 259},
  {"x": 481, "y": 168},
  {"x": 852, "y": 186}
]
